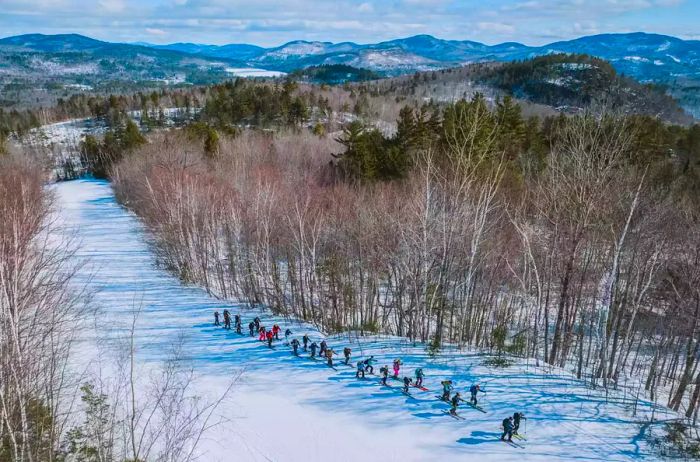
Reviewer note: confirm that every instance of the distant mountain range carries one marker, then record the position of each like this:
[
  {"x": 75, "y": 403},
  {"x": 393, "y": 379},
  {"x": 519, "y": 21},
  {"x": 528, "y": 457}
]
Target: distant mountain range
[{"x": 646, "y": 57}]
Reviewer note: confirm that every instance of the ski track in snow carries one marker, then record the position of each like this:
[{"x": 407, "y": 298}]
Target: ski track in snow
[{"x": 285, "y": 408}]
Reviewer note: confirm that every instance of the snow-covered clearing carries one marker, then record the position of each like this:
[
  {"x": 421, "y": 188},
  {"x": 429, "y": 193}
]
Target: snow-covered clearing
[
  {"x": 251, "y": 72},
  {"x": 285, "y": 408}
]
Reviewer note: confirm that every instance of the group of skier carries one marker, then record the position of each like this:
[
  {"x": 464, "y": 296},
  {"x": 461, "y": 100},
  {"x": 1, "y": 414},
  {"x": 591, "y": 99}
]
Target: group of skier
[
  {"x": 510, "y": 424},
  {"x": 227, "y": 321}
]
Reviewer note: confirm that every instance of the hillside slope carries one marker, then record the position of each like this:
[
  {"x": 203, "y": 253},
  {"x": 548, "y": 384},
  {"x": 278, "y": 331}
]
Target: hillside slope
[
  {"x": 572, "y": 82},
  {"x": 286, "y": 408},
  {"x": 52, "y": 63}
]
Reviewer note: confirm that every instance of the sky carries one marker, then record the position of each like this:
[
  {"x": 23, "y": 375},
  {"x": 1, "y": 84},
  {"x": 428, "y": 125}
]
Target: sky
[{"x": 274, "y": 22}]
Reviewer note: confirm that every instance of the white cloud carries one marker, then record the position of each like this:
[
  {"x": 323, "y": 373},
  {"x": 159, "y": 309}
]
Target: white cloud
[
  {"x": 271, "y": 22},
  {"x": 113, "y": 6},
  {"x": 365, "y": 8},
  {"x": 496, "y": 27},
  {"x": 586, "y": 28},
  {"x": 154, "y": 31}
]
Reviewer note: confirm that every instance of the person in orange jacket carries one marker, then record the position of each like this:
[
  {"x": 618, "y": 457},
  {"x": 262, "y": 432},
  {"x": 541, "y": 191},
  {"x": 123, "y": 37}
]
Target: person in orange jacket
[
  {"x": 270, "y": 337},
  {"x": 276, "y": 331}
]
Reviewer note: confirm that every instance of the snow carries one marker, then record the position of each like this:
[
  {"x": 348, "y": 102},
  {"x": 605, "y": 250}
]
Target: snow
[
  {"x": 391, "y": 59},
  {"x": 253, "y": 72},
  {"x": 636, "y": 59},
  {"x": 577, "y": 66},
  {"x": 173, "y": 80},
  {"x": 78, "y": 86},
  {"x": 561, "y": 81},
  {"x": 296, "y": 409},
  {"x": 664, "y": 46},
  {"x": 297, "y": 49},
  {"x": 55, "y": 67},
  {"x": 674, "y": 58}
]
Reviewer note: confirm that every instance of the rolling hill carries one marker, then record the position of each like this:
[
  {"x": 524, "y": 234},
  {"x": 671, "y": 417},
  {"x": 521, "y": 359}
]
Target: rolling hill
[{"x": 75, "y": 59}]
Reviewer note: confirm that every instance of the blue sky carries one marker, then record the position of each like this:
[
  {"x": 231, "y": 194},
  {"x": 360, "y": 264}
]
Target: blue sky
[{"x": 273, "y": 22}]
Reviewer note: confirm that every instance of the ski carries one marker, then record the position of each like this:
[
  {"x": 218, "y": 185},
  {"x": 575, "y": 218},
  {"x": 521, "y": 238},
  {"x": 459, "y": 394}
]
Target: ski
[
  {"x": 515, "y": 435},
  {"x": 440, "y": 398},
  {"x": 478, "y": 408},
  {"x": 514, "y": 444},
  {"x": 420, "y": 388},
  {"x": 456, "y": 416},
  {"x": 406, "y": 393}
]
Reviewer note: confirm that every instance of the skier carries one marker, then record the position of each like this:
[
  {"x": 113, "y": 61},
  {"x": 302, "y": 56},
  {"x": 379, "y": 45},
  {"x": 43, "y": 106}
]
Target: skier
[
  {"x": 276, "y": 331},
  {"x": 473, "y": 390},
  {"x": 238, "y": 324},
  {"x": 251, "y": 327},
  {"x": 368, "y": 364},
  {"x": 384, "y": 372},
  {"x": 329, "y": 356},
  {"x": 406, "y": 383},
  {"x": 360, "y": 370},
  {"x": 397, "y": 366},
  {"x": 216, "y": 318},
  {"x": 507, "y": 429},
  {"x": 305, "y": 339},
  {"x": 346, "y": 353},
  {"x": 446, "y": 389},
  {"x": 261, "y": 332},
  {"x": 313, "y": 349},
  {"x": 270, "y": 337},
  {"x": 257, "y": 323},
  {"x": 287, "y": 333},
  {"x": 237, "y": 319},
  {"x": 455, "y": 402},
  {"x": 517, "y": 417},
  {"x": 295, "y": 346},
  {"x": 419, "y": 377},
  {"x": 227, "y": 320},
  {"x": 324, "y": 347}
]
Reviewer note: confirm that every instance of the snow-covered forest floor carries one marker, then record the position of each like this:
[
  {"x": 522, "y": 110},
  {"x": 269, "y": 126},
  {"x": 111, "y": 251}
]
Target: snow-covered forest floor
[{"x": 285, "y": 408}]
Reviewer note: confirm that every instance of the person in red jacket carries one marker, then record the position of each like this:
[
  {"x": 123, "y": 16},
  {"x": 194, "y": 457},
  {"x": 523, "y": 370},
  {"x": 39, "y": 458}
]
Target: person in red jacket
[
  {"x": 276, "y": 331},
  {"x": 270, "y": 337},
  {"x": 261, "y": 331}
]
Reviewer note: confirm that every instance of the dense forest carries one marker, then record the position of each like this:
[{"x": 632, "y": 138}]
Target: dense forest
[{"x": 333, "y": 74}]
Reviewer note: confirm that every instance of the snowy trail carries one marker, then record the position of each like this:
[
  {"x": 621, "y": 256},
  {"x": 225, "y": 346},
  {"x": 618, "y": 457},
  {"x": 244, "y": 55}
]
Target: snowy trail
[{"x": 286, "y": 408}]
